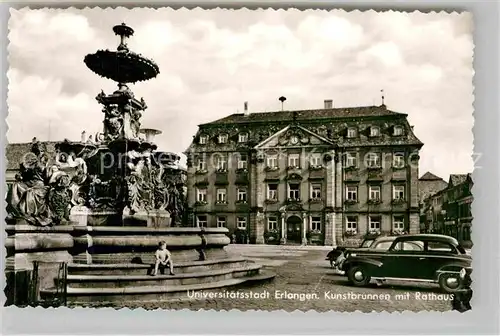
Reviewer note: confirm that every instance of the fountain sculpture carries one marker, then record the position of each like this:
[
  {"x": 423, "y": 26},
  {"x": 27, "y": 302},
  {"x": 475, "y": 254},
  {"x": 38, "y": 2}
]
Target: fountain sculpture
[
  {"x": 103, "y": 204},
  {"x": 119, "y": 175}
]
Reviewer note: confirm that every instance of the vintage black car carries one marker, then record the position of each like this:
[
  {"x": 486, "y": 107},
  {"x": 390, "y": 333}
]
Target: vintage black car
[{"x": 421, "y": 257}]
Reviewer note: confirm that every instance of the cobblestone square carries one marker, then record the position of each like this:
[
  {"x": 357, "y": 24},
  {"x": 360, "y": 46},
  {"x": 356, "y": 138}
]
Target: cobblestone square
[{"x": 305, "y": 281}]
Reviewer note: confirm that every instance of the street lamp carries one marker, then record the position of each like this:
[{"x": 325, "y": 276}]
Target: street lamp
[{"x": 443, "y": 215}]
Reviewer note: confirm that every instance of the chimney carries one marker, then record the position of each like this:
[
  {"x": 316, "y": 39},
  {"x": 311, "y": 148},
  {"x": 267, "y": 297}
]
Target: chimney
[
  {"x": 245, "y": 108},
  {"x": 328, "y": 103}
]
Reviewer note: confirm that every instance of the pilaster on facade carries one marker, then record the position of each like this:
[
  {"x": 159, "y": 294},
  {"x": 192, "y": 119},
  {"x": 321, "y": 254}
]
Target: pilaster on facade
[
  {"x": 283, "y": 229},
  {"x": 339, "y": 183},
  {"x": 330, "y": 228},
  {"x": 254, "y": 182},
  {"x": 304, "y": 228},
  {"x": 257, "y": 227},
  {"x": 260, "y": 187},
  {"x": 413, "y": 179},
  {"x": 414, "y": 223},
  {"x": 330, "y": 181}
]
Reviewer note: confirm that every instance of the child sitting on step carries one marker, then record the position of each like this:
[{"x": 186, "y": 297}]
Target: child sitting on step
[{"x": 163, "y": 257}]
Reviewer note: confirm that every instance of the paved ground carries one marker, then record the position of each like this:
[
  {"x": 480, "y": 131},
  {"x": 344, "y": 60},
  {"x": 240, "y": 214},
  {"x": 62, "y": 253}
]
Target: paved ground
[{"x": 305, "y": 281}]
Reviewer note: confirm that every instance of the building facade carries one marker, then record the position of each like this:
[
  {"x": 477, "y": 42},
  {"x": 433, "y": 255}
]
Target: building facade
[
  {"x": 428, "y": 185},
  {"x": 325, "y": 176},
  {"x": 449, "y": 210}
]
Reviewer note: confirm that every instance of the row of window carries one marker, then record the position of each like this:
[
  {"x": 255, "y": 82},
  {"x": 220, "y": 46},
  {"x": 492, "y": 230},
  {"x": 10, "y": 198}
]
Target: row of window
[
  {"x": 397, "y": 130},
  {"x": 241, "y": 222},
  {"x": 315, "y": 223},
  {"x": 374, "y": 160},
  {"x": 294, "y": 191},
  {"x": 315, "y": 192},
  {"x": 375, "y": 193},
  {"x": 223, "y": 138},
  {"x": 201, "y": 195},
  {"x": 202, "y": 221},
  {"x": 315, "y": 160},
  {"x": 375, "y": 223},
  {"x": 352, "y": 132},
  {"x": 221, "y": 162},
  {"x": 272, "y": 193}
]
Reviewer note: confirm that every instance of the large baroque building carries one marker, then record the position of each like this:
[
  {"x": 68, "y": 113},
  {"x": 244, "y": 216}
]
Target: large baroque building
[{"x": 324, "y": 176}]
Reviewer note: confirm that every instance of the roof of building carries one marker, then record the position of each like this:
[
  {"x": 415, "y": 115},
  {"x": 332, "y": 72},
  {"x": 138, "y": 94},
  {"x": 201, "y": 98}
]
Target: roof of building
[
  {"x": 15, "y": 151},
  {"x": 430, "y": 177},
  {"x": 456, "y": 179},
  {"x": 344, "y": 112}
]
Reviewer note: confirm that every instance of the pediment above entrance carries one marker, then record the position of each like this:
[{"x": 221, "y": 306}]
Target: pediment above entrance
[
  {"x": 294, "y": 136},
  {"x": 294, "y": 207}
]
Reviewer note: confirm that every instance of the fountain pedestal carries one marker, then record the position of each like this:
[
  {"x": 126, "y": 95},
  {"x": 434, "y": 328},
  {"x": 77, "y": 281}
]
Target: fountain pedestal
[{"x": 155, "y": 218}]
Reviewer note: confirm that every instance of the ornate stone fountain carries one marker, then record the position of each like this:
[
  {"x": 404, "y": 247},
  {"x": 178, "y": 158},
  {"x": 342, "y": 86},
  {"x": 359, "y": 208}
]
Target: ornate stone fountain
[{"x": 103, "y": 204}]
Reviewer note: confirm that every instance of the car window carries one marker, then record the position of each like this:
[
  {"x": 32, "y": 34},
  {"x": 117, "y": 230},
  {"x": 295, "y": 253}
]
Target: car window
[
  {"x": 384, "y": 245},
  {"x": 409, "y": 246},
  {"x": 439, "y": 247},
  {"x": 413, "y": 246},
  {"x": 366, "y": 243}
]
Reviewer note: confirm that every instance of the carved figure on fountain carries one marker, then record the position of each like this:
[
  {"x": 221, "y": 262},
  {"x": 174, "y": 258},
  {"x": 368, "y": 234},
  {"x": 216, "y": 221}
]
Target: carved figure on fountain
[
  {"x": 40, "y": 193},
  {"x": 135, "y": 124},
  {"x": 139, "y": 182},
  {"x": 76, "y": 170},
  {"x": 176, "y": 201},
  {"x": 113, "y": 122},
  {"x": 160, "y": 194},
  {"x": 104, "y": 194},
  {"x": 59, "y": 198}
]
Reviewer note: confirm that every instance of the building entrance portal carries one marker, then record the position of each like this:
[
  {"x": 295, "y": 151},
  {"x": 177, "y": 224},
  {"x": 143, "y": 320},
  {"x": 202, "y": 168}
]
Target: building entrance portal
[{"x": 294, "y": 230}]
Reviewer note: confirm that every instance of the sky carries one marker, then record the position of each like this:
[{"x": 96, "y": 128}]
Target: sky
[{"x": 212, "y": 61}]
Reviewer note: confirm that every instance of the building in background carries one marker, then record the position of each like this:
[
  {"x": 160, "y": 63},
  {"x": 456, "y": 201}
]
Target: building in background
[
  {"x": 457, "y": 208},
  {"x": 14, "y": 153},
  {"x": 449, "y": 210},
  {"x": 324, "y": 176},
  {"x": 428, "y": 185}
]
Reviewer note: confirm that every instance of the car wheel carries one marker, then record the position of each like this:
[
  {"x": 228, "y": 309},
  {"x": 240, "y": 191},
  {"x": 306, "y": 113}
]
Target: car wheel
[
  {"x": 450, "y": 282},
  {"x": 358, "y": 276}
]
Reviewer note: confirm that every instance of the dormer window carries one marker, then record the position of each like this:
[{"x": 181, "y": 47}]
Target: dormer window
[
  {"x": 223, "y": 138},
  {"x": 243, "y": 137},
  {"x": 203, "y": 139},
  {"x": 374, "y": 131},
  {"x": 352, "y": 132},
  {"x": 398, "y": 130}
]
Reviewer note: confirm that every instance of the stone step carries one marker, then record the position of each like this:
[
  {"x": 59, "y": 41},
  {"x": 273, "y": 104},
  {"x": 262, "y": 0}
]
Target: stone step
[
  {"x": 145, "y": 269},
  {"x": 124, "y": 281},
  {"x": 146, "y": 257},
  {"x": 116, "y": 296}
]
